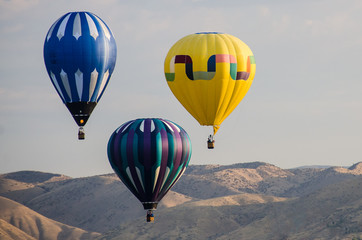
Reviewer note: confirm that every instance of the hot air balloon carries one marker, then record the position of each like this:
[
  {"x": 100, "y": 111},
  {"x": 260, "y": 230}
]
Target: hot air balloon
[
  {"x": 80, "y": 54},
  {"x": 209, "y": 73},
  {"x": 149, "y": 155}
]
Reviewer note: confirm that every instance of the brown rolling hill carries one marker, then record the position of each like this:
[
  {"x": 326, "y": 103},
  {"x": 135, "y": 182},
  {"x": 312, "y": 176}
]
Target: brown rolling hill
[
  {"x": 204, "y": 219},
  {"x": 209, "y": 202},
  {"x": 25, "y": 185},
  {"x": 97, "y": 203},
  {"x": 334, "y": 212},
  {"x": 259, "y": 178},
  {"x": 20, "y": 222},
  {"x": 10, "y": 232}
]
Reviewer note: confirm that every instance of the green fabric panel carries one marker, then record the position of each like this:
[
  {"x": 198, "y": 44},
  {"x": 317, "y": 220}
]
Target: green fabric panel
[
  {"x": 233, "y": 71},
  {"x": 201, "y": 75},
  {"x": 124, "y": 152},
  {"x": 158, "y": 144},
  {"x": 158, "y": 151},
  {"x": 170, "y": 77},
  {"x": 252, "y": 59},
  {"x": 176, "y": 175},
  {"x": 136, "y": 157}
]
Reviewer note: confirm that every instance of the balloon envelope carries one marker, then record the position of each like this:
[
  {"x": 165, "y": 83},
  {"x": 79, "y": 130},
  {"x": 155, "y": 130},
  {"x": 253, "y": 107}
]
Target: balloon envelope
[
  {"x": 209, "y": 73},
  {"x": 80, "y": 55},
  {"x": 149, "y": 155}
]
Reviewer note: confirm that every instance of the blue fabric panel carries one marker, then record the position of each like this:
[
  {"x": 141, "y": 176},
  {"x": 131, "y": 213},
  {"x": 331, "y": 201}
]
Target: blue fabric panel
[{"x": 80, "y": 43}]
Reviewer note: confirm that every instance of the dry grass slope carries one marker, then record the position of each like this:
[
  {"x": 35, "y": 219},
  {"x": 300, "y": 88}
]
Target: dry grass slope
[
  {"x": 332, "y": 213},
  {"x": 9, "y": 232},
  {"x": 96, "y": 203},
  {"x": 35, "y": 225},
  {"x": 204, "y": 219},
  {"x": 254, "y": 200}
]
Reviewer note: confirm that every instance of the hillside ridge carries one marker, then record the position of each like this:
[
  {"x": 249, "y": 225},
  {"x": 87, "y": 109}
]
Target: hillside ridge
[{"x": 101, "y": 203}]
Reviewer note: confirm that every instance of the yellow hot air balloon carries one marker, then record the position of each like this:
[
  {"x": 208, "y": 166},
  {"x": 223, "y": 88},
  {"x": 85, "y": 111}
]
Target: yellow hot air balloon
[{"x": 209, "y": 73}]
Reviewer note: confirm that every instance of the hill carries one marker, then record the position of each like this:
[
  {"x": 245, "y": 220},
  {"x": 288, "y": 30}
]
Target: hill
[
  {"x": 20, "y": 222},
  {"x": 10, "y": 232},
  {"x": 34, "y": 177},
  {"x": 208, "y": 181},
  {"x": 25, "y": 185},
  {"x": 241, "y": 195},
  {"x": 69, "y": 200},
  {"x": 332, "y": 213}
]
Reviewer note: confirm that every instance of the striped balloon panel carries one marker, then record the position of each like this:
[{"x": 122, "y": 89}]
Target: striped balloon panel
[
  {"x": 149, "y": 156},
  {"x": 80, "y": 55}
]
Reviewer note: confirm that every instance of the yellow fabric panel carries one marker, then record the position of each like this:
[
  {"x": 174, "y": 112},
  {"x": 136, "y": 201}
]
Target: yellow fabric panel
[
  {"x": 183, "y": 94},
  {"x": 216, "y": 127},
  {"x": 212, "y": 94},
  {"x": 242, "y": 87},
  {"x": 225, "y": 79}
]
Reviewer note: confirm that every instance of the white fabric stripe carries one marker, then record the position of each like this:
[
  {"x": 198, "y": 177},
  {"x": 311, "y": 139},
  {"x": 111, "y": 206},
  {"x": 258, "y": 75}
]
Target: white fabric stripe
[
  {"x": 140, "y": 178},
  {"x": 177, "y": 177},
  {"x": 92, "y": 27},
  {"x": 64, "y": 77},
  {"x": 104, "y": 81},
  {"x": 54, "y": 80},
  {"x": 105, "y": 29},
  {"x": 125, "y": 126},
  {"x": 165, "y": 177},
  {"x": 119, "y": 128},
  {"x": 130, "y": 178},
  {"x": 52, "y": 29},
  {"x": 142, "y": 126},
  {"x": 92, "y": 84},
  {"x": 167, "y": 124},
  {"x": 153, "y": 127},
  {"x": 182, "y": 172},
  {"x": 79, "y": 82},
  {"x": 172, "y": 65},
  {"x": 77, "y": 27},
  {"x": 156, "y": 177},
  {"x": 61, "y": 30}
]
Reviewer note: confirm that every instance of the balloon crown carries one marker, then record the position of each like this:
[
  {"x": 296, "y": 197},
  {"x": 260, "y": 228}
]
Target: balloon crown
[{"x": 208, "y": 33}]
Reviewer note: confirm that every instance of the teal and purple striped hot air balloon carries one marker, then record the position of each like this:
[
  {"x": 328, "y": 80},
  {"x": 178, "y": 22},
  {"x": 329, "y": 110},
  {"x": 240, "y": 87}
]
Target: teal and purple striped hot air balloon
[{"x": 149, "y": 155}]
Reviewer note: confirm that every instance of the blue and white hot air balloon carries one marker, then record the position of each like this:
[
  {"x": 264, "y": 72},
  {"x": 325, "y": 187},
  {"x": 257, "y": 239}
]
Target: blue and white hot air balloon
[{"x": 80, "y": 55}]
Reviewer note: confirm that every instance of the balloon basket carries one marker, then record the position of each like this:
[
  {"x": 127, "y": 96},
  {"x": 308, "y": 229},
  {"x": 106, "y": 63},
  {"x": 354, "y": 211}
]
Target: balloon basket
[
  {"x": 150, "y": 207},
  {"x": 210, "y": 142},
  {"x": 150, "y": 217},
  {"x": 81, "y": 134}
]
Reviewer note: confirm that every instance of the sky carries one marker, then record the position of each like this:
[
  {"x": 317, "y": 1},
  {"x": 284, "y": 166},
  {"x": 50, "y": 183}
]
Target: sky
[{"x": 303, "y": 108}]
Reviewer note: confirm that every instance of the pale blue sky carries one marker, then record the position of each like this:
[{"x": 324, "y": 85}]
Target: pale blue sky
[{"x": 304, "y": 107}]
